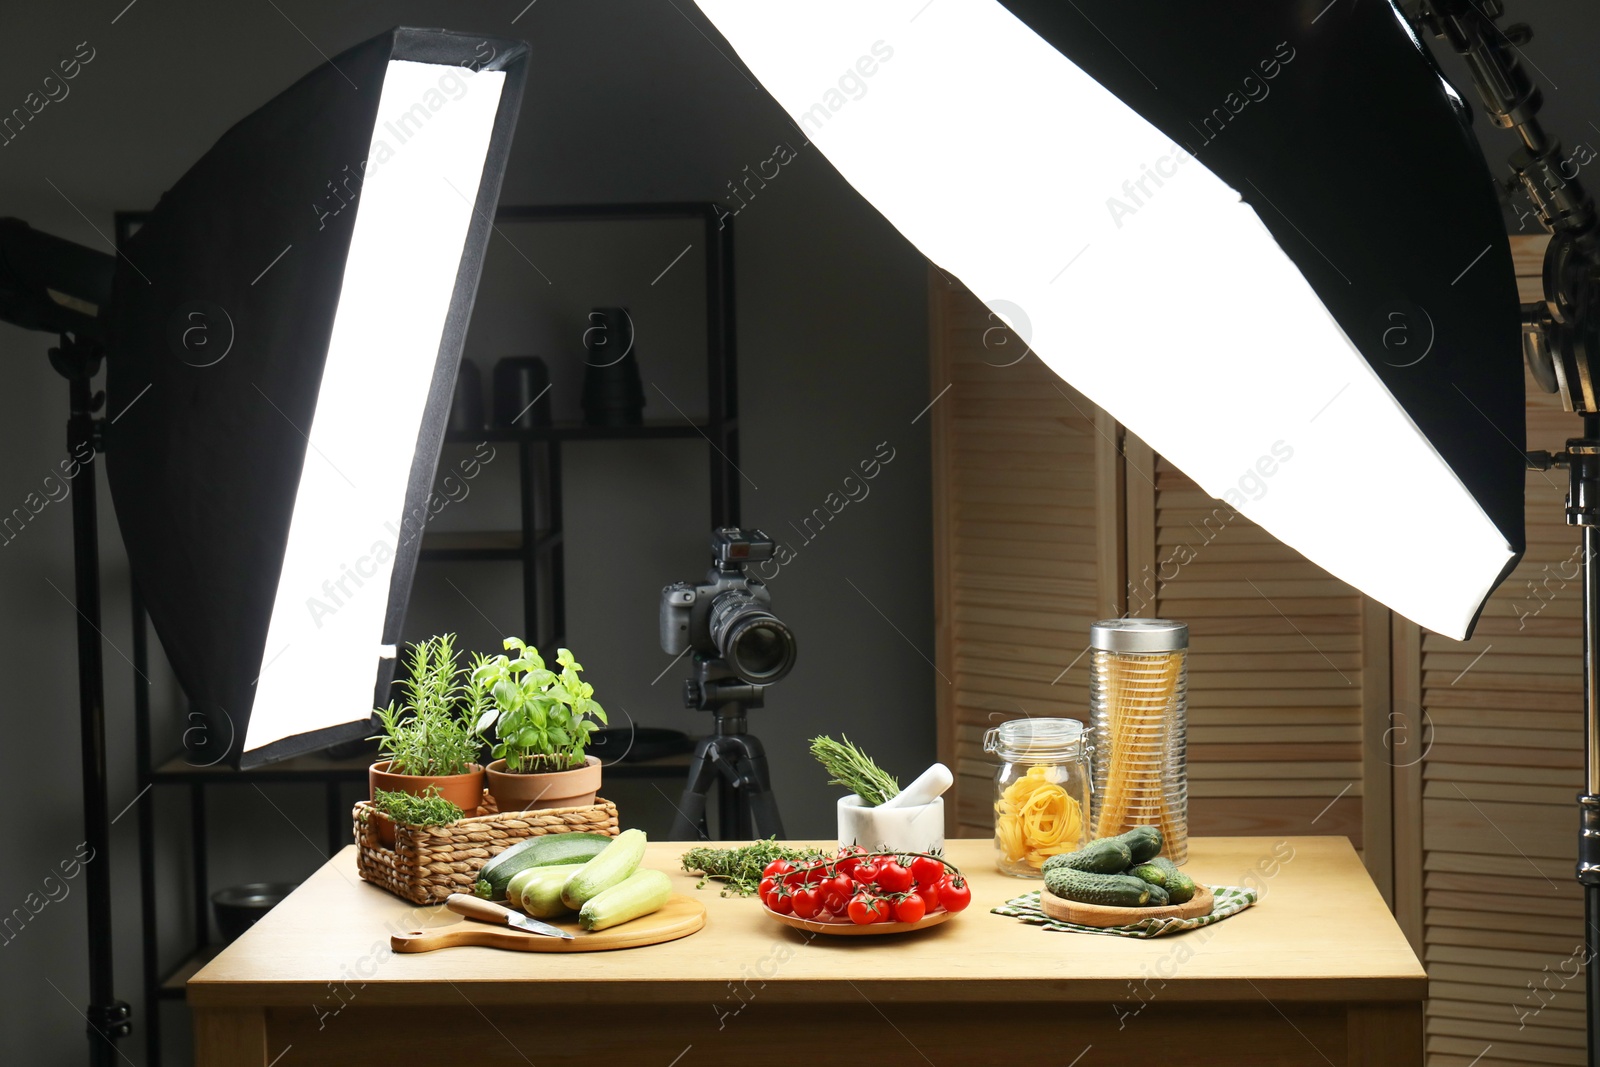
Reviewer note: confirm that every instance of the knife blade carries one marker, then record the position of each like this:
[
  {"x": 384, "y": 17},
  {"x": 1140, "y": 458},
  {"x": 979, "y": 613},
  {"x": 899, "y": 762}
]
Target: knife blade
[{"x": 490, "y": 912}]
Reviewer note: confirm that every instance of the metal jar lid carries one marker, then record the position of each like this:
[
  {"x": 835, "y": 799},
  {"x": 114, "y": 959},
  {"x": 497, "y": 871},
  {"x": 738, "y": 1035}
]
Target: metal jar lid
[{"x": 1139, "y": 635}]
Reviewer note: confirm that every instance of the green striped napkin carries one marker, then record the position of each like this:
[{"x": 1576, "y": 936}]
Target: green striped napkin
[{"x": 1230, "y": 900}]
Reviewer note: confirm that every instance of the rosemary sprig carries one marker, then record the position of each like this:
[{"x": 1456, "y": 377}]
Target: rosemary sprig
[
  {"x": 854, "y": 769},
  {"x": 428, "y": 809}
]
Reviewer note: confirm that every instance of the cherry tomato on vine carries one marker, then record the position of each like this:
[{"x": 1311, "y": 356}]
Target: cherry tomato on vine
[
  {"x": 909, "y": 909},
  {"x": 930, "y": 898},
  {"x": 767, "y": 885},
  {"x": 865, "y": 871},
  {"x": 892, "y": 877},
  {"x": 777, "y": 867},
  {"x": 836, "y": 903},
  {"x": 927, "y": 871},
  {"x": 806, "y": 903},
  {"x": 848, "y": 858},
  {"x": 866, "y": 909},
  {"x": 839, "y": 885},
  {"x": 954, "y": 893},
  {"x": 780, "y": 902}
]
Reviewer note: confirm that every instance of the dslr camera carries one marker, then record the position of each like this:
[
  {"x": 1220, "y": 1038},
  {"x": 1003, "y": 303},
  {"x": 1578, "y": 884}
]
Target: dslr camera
[{"x": 727, "y": 617}]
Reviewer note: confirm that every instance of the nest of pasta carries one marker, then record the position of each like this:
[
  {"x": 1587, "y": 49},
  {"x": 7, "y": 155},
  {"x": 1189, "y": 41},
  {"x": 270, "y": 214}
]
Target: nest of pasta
[{"x": 1036, "y": 818}]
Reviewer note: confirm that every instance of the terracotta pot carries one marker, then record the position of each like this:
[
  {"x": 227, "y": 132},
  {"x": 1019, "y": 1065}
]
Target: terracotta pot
[
  {"x": 465, "y": 791},
  {"x": 533, "y": 792}
]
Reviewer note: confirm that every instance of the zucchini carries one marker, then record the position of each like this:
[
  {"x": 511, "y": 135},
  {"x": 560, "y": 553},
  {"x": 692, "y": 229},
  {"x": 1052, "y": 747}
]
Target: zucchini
[
  {"x": 1107, "y": 856},
  {"x": 611, "y": 867},
  {"x": 1144, "y": 843},
  {"x": 537, "y": 890},
  {"x": 641, "y": 893},
  {"x": 544, "y": 851},
  {"x": 1086, "y": 887}
]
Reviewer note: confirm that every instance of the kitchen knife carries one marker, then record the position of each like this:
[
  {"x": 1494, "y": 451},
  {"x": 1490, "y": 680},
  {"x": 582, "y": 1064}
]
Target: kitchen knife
[{"x": 489, "y": 912}]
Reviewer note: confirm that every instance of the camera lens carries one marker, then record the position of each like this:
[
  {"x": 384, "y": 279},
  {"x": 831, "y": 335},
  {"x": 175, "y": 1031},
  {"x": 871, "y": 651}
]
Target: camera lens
[{"x": 756, "y": 644}]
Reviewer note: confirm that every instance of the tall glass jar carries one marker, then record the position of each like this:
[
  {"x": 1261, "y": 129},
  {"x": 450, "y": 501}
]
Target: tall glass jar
[
  {"x": 1041, "y": 792},
  {"x": 1137, "y": 685}
]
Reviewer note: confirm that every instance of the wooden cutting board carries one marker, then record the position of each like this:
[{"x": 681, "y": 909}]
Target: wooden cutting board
[
  {"x": 679, "y": 917},
  {"x": 1072, "y": 911}
]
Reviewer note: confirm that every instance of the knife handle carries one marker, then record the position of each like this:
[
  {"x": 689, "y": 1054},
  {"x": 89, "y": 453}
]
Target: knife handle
[{"x": 478, "y": 908}]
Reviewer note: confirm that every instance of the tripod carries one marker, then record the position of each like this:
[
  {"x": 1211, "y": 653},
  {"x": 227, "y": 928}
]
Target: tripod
[{"x": 730, "y": 758}]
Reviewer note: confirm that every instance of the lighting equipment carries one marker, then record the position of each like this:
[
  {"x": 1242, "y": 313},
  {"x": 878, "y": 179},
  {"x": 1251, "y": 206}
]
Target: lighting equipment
[
  {"x": 282, "y": 339},
  {"x": 740, "y": 648},
  {"x": 1190, "y": 221},
  {"x": 1331, "y": 275}
]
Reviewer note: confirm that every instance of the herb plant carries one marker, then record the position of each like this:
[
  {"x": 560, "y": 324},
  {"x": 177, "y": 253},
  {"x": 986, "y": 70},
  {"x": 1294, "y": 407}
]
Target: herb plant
[
  {"x": 427, "y": 809},
  {"x": 542, "y": 720},
  {"x": 740, "y": 867},
  {"x": 854, "y": 769},
  {"x": 431, "y": 731}
]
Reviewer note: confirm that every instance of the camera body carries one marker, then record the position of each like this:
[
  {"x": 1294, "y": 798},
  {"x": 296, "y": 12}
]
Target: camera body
[{"x": 727, "y": 616}]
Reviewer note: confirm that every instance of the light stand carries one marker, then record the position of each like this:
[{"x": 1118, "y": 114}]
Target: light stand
[
  {"x": 731, "y": 759},
  {"x": 1559, "y": 343},
  {"x": 109, "y": 1018}
]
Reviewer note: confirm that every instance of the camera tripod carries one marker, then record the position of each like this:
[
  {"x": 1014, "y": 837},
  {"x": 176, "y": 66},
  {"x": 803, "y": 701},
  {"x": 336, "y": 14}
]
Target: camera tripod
[{"x": 730, "y": 759}]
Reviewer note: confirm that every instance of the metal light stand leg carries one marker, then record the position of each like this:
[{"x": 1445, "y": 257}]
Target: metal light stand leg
[
  {"x": 109, "y": 1018},
  {"x": 1583, "y": 511}
]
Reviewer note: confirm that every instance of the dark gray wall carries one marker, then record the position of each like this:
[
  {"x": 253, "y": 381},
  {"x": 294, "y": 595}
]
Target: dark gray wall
[{"x": 625, "y": 101}]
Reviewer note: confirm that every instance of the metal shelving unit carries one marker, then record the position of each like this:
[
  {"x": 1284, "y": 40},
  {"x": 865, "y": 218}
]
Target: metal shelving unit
[{"x": 539, "y": 456}]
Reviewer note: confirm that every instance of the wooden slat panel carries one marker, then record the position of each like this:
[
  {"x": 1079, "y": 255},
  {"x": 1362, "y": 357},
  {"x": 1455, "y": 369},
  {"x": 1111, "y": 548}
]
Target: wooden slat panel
[{"x": 1499, "y": 907}]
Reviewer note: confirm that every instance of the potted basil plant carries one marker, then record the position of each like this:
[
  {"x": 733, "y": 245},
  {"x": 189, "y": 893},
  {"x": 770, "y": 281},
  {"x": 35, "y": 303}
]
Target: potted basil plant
[
  {"x": 430, "y": 735},
  {"x": 542, "y": 722}
]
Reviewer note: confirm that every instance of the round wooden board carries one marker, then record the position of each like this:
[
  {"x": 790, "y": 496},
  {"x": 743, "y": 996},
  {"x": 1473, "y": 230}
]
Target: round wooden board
[
  {"x": 679, "y": 917},
  {"x": 850, "y": 929},
  {"x": 1072, "y": 911}
]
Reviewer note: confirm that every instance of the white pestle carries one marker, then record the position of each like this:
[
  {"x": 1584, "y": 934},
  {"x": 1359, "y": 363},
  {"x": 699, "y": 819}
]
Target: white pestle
[{"x": 928, "y": 787}]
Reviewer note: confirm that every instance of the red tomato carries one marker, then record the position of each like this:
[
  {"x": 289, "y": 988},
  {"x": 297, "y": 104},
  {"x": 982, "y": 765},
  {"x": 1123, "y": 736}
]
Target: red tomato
[
  {"x": 865, "y": 872},
  {"x": 767, "y": 885},
  {"x": 930, "y": 897},
  {"x": 954, "y": 893},
  {"x": 893, "y": 878},
  {"x": 866, "y": 909},
  {"x": 927, "y": 871},
  {"x": 839, "y": 885},
  {"x": 780, "y": 902},
  {"x": 777, "y": 867},
  {"x": 806, "y": 903},
  {"x": 909, "y": 909},
  {"x": 847, "y": 859},
  {"x": 836, "y": 903}
]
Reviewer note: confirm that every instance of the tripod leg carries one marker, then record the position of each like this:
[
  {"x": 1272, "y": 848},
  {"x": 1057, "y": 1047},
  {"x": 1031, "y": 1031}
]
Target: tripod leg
[
  {"x": 689, "y": 822},
  {"x": 756, "y": 785}
]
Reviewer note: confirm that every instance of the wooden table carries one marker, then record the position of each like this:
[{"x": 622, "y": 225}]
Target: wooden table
[{"x": 1317, "y": 973}]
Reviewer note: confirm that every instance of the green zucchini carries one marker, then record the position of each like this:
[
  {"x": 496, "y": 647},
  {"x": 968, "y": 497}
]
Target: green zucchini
[
  {"x": 1086, "y": 887},
  {"x": 543, "y": 851},
  {"x": 537, "y": 890},
  {"x": 611, "y": 867},
  {"x": 1144, "y": 843},
  {"x": 1107, "y": 856},
  {"x": 641, "y": 893}
]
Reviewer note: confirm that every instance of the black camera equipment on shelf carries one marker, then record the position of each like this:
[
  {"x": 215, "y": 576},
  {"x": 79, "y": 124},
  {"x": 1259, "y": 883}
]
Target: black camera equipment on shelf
[{"x": 740, "y": 648}]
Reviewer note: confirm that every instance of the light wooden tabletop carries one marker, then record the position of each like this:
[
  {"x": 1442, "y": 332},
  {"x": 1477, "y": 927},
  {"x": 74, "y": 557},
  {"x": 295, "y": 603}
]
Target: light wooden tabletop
[{"x": 1321, "y": 932}]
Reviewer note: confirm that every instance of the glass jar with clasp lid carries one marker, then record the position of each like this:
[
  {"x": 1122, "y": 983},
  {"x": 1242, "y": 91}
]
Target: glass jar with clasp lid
[{"x": 1041, "y": 792}]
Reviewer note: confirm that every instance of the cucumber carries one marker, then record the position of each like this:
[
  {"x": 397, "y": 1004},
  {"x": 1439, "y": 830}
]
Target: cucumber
[
  {"x": 611, "y": 867},
  {"x": 544, "y": 851},
  {"x": 641, "y": 893},
  {"x": 1086, "y": 887},
  {"x": 1144, "y": 842},
  {"x": 1163, "y": 872},
  {"x": 537, "y": 890},
  {"x": 1107, "y": 856}
]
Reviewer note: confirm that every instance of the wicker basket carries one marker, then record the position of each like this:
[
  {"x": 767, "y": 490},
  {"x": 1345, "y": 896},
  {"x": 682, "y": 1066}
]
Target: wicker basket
[{"x": 428, "y": 863}]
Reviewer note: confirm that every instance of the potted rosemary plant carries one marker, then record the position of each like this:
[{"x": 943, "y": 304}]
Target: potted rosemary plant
[
  {"x": 429, "y": 737},
  {"x": 542, "y": 722}
]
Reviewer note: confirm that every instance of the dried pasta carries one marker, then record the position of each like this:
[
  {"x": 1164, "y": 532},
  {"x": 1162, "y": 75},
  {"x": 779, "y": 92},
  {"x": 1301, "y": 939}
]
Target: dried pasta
[{"x": 1036, "y": 818}]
